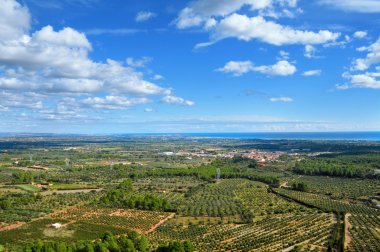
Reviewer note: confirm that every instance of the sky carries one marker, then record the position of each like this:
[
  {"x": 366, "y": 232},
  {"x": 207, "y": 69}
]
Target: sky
[{"x": 148, "y": 66}]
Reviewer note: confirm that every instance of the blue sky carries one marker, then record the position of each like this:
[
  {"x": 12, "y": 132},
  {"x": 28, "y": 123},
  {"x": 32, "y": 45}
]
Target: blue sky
[{"x": 123, "y": 66}]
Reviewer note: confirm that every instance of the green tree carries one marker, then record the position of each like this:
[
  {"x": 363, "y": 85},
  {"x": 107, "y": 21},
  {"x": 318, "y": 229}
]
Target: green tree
[
  {"x": 188, "y": 246},
  {"x": 142, "y": 244},
  {"x": 5, "y": 204}
]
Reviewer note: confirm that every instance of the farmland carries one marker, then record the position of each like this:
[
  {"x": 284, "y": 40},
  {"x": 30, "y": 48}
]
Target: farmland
[{"x": 170, "y": 193}]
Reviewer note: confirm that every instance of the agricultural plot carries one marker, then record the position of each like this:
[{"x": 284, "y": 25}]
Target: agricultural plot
[
  {"x": 54, "y": 202},
  {"x": 85, "y": 223},
  {"x": 327, "y": 204},
  {"x": 29, "y": 188},
  {"x": 341, "y": 187},
  {"x": 137, "y": 220},
  {"x": 178, "y": 184},
  {"x": 73, "y": 186},
  {"x": 364, "y": 232},
  {"x": 215, "y": 200},
  {"x": 273, "y": 233},
  {"x": 42, "y": 229},
  {"x": 235, "y": 213},
  {"x": 13, "y": 215},
  {"x": 256, "y": 197}
]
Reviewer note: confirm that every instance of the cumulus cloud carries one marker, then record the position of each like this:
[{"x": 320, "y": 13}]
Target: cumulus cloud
[
  {"x": 309, "y": 51},
  {"x": 281, "y": 99},
  {"x": 364, "y": 6},
  {"x": 67, "y": 37},
  {"x": 282, "y": 67},
  {"x": 170, "y": 99},
  {"x": 221, "y": 19},
  {"x": 364, "y": 80},
  {"x": 247, "y": 28},
  {"x": 312, "y": 73},
  {"x": 364, "y": 72},
  {"x": 200, "y": 12},
  {"x": 55, "y": 62},
  {"x": 143, "y": 16},
  {"x": 113, "y": 102},
  {"x": 238, "y": 68},
  {"x": 16, "y": 100},
  {"x": 284, "y": 55},
  {"x": 360, "y": 34},
  {"x": 373, "y": 57},
  {"x": 14, "y": 20}
]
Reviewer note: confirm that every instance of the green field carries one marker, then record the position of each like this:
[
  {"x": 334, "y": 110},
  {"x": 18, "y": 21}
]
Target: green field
[
  {"x": 174, "y": 198},
  {"x": 29, "y": 188}
]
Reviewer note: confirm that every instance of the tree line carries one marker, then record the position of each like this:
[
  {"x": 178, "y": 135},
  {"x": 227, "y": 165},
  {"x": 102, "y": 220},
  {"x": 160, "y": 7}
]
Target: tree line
[
  {"x": 131, "y": 242},
  {"x": 125, "y": 197}
]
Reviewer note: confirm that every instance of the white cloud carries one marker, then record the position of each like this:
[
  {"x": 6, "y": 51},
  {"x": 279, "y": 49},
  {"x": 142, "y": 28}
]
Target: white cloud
[
  {"x": 281, "y": 99},
  {"x": 221, "y": 19},
  {"x": 364, "y": 6},
  {"x": 170, "y": 99},
  {"x": 199, "y": 12},
  {"x": 373, "y": 57},
  {"x": 149, "y": 110},
  {"x": 312, "y": 73},
  {"x": 16, "y": 100},
  {"x": 282, "y": 67},
  {"x": 66, "y": 37},
  {"x": 365, "y": 80},
  {"x": 158, "y": 77},
  {"x": 53, "y": 63},
  {"x": 143, "y": 16},
  {"x": 247, "y": 28},
  {"x": 364, "y": 72},
  {"x": 309, "y": 51},
  {"x": 14, "y": 20},
  {"x": 360, "y": 34},
  {"x": 113, "y": 102},
  {"x": 66, "y": 109},
  {"x": 238, "y": 68},
  {"x": 138, "y": 62},
  {"x": 284, "y": 55}
]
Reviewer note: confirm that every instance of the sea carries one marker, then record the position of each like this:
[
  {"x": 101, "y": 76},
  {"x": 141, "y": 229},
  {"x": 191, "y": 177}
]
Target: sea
[
  {"x": 341, "y": 136},
  {"x": 348, "y": 136}
]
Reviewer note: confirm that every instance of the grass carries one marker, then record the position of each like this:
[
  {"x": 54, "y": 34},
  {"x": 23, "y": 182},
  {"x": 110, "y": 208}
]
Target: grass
[
  {"x": 29, "y": 188},
  {"x": 73, "y": 186}
]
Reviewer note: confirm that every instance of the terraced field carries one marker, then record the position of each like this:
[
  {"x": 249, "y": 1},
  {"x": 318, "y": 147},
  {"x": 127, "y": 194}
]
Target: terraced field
[
  {"x": 122, "y": 218},
  {"x": 327, "y": 204},
  {"x": 364, "y": 233},
  {"x": 84, "y": 222},
  {"x": 273, "y": 233},
  {"x": 256, "y": 197}
]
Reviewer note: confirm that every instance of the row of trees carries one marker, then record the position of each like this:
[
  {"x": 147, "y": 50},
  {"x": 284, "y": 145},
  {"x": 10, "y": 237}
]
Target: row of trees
[
  {"x": 14, "y": 200},
  {"x": 176, "y": 246},
  {"x": 123, "y": 196},
  {"x": 229, "y": 169},
  {"x": 22, "y": 177},
  {"x": 131, "y": 242},
  {"x": 302, "y": 187},
  {"x": 334, "y": 167}
]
